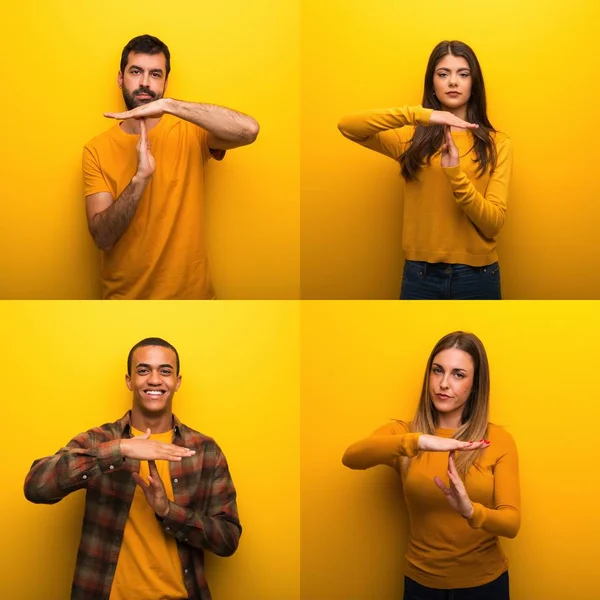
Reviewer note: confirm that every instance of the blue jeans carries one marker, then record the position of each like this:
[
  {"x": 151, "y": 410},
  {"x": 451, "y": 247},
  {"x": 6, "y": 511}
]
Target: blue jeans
[
  {"x": 443, "y": 281},
  {"x": 494, "y": 590}
]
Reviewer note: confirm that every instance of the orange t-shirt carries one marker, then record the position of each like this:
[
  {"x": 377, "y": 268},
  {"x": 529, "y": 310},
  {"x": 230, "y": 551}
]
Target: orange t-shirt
[
  {"x": 162, "y": 253},
  {"x": 149, "y": 567}
]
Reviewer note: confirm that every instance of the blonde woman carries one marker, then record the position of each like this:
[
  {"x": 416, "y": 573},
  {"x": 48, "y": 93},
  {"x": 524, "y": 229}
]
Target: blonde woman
[{"x": 460, "y": 478}]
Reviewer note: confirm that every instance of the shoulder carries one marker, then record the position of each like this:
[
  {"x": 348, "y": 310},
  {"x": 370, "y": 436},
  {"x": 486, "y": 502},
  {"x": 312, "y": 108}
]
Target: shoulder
[
  {"x": 101, "y": 433},
  {"x": 501, "y": 139},
  {"x": 101, "y": 139},
  {"x": 500, "y": 437},
  {"x": 396, "y": 427},
  {"x": 199, "y": 440}
]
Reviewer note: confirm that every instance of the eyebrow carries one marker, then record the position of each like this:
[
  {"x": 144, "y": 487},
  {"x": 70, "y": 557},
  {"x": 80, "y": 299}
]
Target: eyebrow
[
  {"x": 140, "y": 69},
  {"x": 150, "y": 366},
  {"x": 447, "y": 69},
  {"x": 455, "y": 368}
]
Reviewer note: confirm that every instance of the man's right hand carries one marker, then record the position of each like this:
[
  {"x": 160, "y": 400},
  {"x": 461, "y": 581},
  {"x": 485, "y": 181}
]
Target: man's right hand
[
  {"x": 146, "y": 164},
  {"x": 143, "y": 448},
  {"x": 433, "y": 443},
  {"x": 444, "y": 117}
]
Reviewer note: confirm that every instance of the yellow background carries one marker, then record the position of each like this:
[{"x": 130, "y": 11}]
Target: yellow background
[
  {"x": 363, "y": 364},
  {"x": 539, "y": 64},
  {"x": 60, "y": 72},
  {"x": 240, "y": 385}
]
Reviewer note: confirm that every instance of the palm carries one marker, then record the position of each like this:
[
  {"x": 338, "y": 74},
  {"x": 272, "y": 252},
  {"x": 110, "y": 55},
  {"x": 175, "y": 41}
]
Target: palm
[
  {"x": 456, "y": 493},
  {"x": 145, "y": 111},
  {"x": 450, "y": 156},
  {"x": 154, "y": 490}
]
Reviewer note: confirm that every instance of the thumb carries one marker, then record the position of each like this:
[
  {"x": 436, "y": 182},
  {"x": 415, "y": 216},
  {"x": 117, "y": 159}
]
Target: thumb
[{"x": 146, "y": 435}]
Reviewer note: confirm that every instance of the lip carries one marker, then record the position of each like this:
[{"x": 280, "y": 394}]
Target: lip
[
  {"x": 453, "y": 94},
  {"x": 443, "y": 396},
  {"x": 143, "y": 96},
  {"x": 154, "y": 394}
]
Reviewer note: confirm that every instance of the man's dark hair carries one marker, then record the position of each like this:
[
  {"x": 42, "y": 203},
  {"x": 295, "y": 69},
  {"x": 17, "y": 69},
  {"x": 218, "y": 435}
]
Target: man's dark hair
[
  {"x": 152, "y": 341},
  {"x": 145, "y": 44}
]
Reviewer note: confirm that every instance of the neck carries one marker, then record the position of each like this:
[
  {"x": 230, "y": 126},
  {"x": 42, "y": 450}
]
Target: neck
[
  {"x": 160, "y": 423},
  {"x": 461, "y": 113},
  {"x": 449, "y": 420},
  {"x": 132, "y": 126}
]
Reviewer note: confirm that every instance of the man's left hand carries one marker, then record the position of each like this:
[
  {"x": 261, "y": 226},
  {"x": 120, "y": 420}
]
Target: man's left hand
[
  {"x": 152, "y": 110},
  {"x": 154, "y": 490}
]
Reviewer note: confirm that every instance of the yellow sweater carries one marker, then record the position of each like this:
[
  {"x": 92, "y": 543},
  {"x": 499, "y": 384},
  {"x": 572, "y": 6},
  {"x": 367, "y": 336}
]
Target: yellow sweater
[
  {"x": 450, "y": 215},
  {"x": 445, "y": 550}
]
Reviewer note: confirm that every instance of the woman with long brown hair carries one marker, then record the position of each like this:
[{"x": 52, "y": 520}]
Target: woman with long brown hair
[
  {"x": 460, "y": 478},
  {"x": 456, "y": 169}
]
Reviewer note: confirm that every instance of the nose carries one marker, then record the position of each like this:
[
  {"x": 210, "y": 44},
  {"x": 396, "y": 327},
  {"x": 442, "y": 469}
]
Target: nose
[
  {"x": 145, "y": 81},
  {"x": 453, "y": 80},
  {"x": 154, "y": 379},
  {"x": 444, "y": 382}
]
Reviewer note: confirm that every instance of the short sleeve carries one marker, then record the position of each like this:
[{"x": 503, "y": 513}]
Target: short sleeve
[
  {"x": 207, "y": 152},
  {"x": 93, "y": 178}
]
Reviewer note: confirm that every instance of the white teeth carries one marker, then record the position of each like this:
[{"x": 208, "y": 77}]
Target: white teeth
[{"x": 154, "y": 392}]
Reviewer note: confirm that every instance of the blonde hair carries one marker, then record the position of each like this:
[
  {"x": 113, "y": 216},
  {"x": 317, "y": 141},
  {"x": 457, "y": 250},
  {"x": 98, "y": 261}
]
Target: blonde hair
[{"x": 474, "y": 419}]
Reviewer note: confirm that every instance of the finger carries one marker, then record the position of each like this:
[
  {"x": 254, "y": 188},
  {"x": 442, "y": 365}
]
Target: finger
[
  {"x": 178, "y": 450},
  {"x": 111, "y": 115},
  {"x": 472, "y": 445},
  {"x": 153, "y": 469},
  {"x": 452, "y": 466},
  {"x": 154, "y": 484},
  {"x": 140, "y": 481},
  {"x": 441, "y": 485},
  {"x": 143, "y": 129}
]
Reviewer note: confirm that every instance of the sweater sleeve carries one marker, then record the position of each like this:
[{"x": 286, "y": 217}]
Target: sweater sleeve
[
  {"x": 504, "y": 519},
  {"x": 377, "y": 129},
  {"x": 486, "y": 211},
  {"x": 383, "y": 447}
]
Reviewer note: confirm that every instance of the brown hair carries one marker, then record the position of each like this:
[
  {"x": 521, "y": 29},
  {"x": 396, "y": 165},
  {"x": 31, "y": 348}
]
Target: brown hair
[
  {"x": 427, "y": 141},
  {"x": 474, "y": 419}
]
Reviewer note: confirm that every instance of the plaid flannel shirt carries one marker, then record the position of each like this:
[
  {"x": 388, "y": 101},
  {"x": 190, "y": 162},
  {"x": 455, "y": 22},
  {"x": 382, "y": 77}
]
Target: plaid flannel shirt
[{"x": 202, "y": 517}]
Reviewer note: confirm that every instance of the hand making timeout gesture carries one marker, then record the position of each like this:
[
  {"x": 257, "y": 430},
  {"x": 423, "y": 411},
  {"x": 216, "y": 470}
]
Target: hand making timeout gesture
[
  {"x": 143, "y": 448},
  {"x": 146, "y": 163},
  {"x": 456, "y": 494},
  {"x": 154, "y": 490}
]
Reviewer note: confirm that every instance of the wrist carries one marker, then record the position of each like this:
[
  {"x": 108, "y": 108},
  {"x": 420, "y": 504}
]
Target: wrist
[
  {"x": 123, "y": 448},
  {"x": 467, "y": 514},
  {"x": 169, "y": 105},
  {"x": 140, "y": 180}
]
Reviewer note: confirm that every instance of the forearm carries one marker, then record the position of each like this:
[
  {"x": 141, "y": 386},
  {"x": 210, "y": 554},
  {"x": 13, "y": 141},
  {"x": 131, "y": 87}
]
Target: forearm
[
  {"x": 503, "y": 521},
  {"x": 218, "y": 534},
  {"x": 380, "y": 450},
  {"x": 54, "y": 477},
  {"x": 108, "y": 226},
  {"x": 360, "y": 126},
  {"x": 224, "y": 123},
  {"x": 486, "y": 213}
]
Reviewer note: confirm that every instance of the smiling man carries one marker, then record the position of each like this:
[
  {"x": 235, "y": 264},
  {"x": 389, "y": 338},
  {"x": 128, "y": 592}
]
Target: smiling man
[
  {"x": 158, "y": 493},
  {"x": 144, "y": 181}
]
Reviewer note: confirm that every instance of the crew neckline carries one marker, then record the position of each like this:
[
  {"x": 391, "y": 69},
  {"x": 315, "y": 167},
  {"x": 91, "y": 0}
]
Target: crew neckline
[
  {"x": 135, "y": 136},
  {"x": 445, "y": 432}
]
